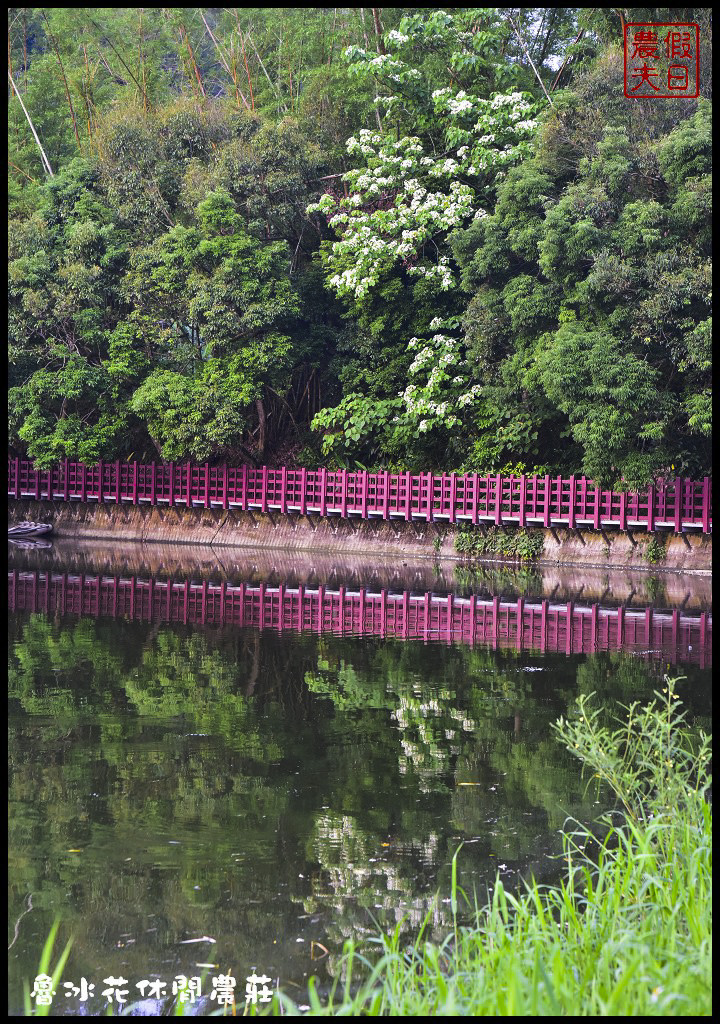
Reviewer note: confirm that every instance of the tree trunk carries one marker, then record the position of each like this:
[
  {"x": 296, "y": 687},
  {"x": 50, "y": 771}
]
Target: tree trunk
[
  {"x": 260, "y": 406},
  {"x": 378, "y": 30}
]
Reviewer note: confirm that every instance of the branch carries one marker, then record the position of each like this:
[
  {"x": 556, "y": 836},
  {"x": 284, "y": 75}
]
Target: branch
[{"x": 21, "y": 170}]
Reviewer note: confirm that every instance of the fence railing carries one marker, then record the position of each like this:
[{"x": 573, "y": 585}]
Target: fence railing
[
  {"x": 543, "y": 625},
  {"x": 520, "y": 500}
]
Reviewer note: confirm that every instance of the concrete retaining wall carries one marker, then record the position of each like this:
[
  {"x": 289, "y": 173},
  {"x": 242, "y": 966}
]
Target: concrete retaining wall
[{"x": 389, "y": 540}]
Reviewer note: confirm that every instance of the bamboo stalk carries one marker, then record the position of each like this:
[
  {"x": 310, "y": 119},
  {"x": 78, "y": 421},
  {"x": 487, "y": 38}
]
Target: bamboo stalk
[
  {"x": 107, "y": 39},
  {"x": 525, "y": 50},
  {"x": 142, "y": 64},
  {"x": 247, "y": 70},
  {"x": 64, "y": 78},
  {"x": 249, "y": 39},
  {"x": 183, "y": 34},
  {"x": 43, "y": 154},
  {"x": 232, "y": 72}
]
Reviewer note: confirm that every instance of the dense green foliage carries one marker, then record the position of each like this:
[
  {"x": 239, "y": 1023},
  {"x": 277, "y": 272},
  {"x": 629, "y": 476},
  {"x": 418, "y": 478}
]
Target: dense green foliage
[{"x": 377, "y": 237}]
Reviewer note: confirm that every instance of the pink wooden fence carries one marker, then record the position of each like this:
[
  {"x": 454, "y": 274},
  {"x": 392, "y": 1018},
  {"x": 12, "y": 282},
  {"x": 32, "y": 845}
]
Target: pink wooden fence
[
  {"x": 543, "y": 625},
  {"x": 519, "y": 500}
]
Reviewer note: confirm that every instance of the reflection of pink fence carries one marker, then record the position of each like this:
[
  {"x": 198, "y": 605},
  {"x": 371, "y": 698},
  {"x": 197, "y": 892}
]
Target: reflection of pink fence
[
  {"x": 520, "y": 500},
  {"x": 542, "y": 625}
]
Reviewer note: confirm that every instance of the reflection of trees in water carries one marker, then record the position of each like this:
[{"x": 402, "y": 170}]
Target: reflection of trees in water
[
  {"x": 200, "y": 770},
  {"x": 363, "y": 880}
]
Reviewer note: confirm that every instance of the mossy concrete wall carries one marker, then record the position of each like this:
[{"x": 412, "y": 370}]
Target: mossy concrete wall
[{"x": 388, "y": 540}]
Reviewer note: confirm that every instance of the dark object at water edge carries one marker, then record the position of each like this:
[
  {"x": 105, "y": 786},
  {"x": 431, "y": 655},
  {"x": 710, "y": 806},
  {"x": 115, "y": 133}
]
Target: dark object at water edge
[
  {"x": 29, "y": 529},
  {"x": 27, "y": 545}
]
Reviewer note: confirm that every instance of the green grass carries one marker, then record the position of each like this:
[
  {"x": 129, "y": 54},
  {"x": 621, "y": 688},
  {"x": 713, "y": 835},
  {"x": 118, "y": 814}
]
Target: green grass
[
  {"x": 43, "y": 970},
  {"x": 627, "y": 931}
]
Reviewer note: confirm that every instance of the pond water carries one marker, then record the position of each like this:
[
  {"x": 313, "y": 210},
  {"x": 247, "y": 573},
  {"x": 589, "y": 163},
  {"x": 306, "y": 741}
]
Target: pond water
[{"x": 229, "y": 776}]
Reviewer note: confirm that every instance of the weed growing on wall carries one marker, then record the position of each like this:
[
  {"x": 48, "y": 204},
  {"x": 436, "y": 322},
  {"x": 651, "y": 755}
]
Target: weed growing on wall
[
  {"x": 655, "y": 551},
  {"x": 521, "y": 544}
]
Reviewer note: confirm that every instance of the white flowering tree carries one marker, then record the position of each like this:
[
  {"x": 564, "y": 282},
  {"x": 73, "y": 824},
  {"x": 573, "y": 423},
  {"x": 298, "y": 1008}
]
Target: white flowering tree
[
  {"x": 396, "y": 207},
  {"x": 408, "y": 193},
  {"x": 441, "y": 392}
]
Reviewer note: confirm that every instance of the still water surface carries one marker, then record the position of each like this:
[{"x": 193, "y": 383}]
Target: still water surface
[{"x": 280, "y": 791}]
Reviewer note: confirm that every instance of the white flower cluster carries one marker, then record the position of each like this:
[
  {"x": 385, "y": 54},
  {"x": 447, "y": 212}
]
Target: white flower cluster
[
  {"x": 437, "y": 395},
  {"x": 372, "y": 240},
  {"x": 387, "y": 101},
  {"x": 509, "y": 99}
]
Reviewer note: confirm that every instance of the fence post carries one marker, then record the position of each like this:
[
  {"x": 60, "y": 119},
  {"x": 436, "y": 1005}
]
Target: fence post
[
  {"x": 408, "y": 488},
  {"x": 66, "y": 495},
  {"x": 343, "y": 496},
  {"x": 430, "y": 497},
  {"x": 546, "y": 510},
  {"x": 261, "y": 623},
  {"x": 135, "y": 483},
  {"x": 225, "y": 500},
  {"x": 523, "y": 495},
  {"x": 341, "y": 608},
  {"x": 363, "y": 493},
  {"x": 678, "y": 504},
  {"x": 263, "y": 500},
  {"x": 303, "y": 490},
  {"x": 571, "y": 510},
  {"x": 37, "y": 484},
  {"x": 323, "y": 491},
  {"x": 17, "y": 478},
  {"x": 498, "y": 500},
  {"x": 153, "y": 482},
  {"x": 476, "y": 496},
  {"x": 171, "y": 490},
  {"x": 207, "y": 485},
  {"x": 100, "y": 482},
  {"x": 706, "y": 505},
  {"x": 386, "y": 494},
  {"x": 623, "y": 509},
  {"x": 283, "y": 487},
  {"x": 118, "y": 479},
  {"x": 651, "y": 509},
  {"x": 596, "y": 514},
  {"x": 453, "y": 497},
  {"x": 243, "y": 493},
  {"x": 83, "y": 482}
]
